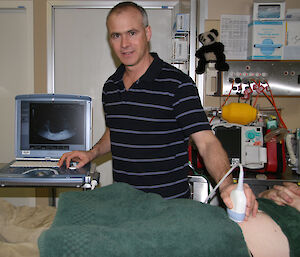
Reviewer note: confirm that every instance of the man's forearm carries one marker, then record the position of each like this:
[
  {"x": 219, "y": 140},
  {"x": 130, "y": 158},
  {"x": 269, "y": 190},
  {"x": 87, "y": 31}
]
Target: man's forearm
[
  {"x": 214, "y": 156},
  {"x": 217, "y": 164},
  {"x": 102, "y": 146}
]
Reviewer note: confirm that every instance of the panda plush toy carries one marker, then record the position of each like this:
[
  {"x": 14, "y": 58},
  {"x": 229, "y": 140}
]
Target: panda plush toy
[{"x": 211, "y": 51}]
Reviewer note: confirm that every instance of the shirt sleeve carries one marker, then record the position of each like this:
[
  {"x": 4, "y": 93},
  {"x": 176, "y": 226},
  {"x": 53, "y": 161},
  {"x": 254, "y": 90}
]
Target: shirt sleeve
[{"x": 188, "y": 109}]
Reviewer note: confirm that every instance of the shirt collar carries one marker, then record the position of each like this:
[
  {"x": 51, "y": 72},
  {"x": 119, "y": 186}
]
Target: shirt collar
[
  {"x": 153, "y": 70},
  {"x": 151, "y": 73}
]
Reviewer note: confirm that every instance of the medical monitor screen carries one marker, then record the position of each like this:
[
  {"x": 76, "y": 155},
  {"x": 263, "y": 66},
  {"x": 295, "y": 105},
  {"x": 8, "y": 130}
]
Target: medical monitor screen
[
  {"x": 230, "y": 138},
  {"x": 51, "y": 126},
  {"x": 54, "y": 125}
]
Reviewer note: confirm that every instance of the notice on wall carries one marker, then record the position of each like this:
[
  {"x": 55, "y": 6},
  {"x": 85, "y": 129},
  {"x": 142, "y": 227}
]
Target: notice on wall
[{"x": 234, "y": 36}]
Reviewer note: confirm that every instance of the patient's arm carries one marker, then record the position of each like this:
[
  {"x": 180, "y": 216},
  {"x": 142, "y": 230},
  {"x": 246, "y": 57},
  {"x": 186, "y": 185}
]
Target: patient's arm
[{"x": 287, "y": 194}]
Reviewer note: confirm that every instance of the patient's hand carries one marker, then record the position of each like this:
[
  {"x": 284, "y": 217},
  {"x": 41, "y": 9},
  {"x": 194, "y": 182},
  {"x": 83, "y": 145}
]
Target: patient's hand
[{"x": 287, "y": 194}]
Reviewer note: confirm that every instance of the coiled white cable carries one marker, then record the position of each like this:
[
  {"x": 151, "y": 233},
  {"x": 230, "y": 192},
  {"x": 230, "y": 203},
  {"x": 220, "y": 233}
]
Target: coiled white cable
[{"x": 289, "y": 146}]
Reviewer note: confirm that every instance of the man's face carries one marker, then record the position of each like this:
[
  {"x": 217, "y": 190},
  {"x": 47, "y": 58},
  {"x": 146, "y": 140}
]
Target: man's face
[{"x": 128, "y": 37}]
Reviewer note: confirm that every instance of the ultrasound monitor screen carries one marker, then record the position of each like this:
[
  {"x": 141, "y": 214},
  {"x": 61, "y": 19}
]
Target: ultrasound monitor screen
[
  {"x": 56, "y": 124},
  {"x": 49, "y": 125}
]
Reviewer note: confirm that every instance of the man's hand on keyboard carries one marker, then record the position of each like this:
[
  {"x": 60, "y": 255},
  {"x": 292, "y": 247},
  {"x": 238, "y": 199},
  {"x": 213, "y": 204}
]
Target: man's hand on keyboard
[{"x": 81, "y": 157}]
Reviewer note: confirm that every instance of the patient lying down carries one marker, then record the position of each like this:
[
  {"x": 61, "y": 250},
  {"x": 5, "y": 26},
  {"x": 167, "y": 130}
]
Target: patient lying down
[
  {"x": 118, "y": 220},
  {"x": 263, "y": 235}
]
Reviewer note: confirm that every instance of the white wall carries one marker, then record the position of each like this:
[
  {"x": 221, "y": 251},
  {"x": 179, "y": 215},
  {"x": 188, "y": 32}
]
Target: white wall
[
  {"x": 16, "y": 66},
  {"x": 16, "y": 77}
]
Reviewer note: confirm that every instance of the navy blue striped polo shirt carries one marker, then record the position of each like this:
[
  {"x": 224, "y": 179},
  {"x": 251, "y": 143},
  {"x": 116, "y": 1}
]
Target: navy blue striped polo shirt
[{"x": 150, "y": 125}]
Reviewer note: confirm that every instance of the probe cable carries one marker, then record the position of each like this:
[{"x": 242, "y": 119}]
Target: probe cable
[{"x": 221, "y": 181}]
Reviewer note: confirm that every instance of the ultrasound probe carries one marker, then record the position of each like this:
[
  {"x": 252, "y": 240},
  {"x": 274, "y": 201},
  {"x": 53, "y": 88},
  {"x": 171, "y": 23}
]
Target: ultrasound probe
[{"x": 237, "y": 196}]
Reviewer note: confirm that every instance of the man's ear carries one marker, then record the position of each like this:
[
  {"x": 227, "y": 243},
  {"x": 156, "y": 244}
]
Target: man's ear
[{"x": 148, "y": 32}]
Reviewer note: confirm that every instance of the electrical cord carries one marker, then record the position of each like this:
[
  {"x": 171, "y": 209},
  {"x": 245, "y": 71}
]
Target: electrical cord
[
  {"x": 222, "y": 180},
  {"x": 224, "y": 101},
  {"x": 273, "y": 103},
  {"x": 270, "y": 99},
  {"x": 256, "y": 98}
]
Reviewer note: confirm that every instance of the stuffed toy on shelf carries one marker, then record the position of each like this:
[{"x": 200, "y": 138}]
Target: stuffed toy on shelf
[{"x": 210, "y": 52}]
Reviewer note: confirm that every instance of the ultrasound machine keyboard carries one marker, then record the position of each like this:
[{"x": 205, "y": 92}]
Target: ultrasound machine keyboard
[{"x": 34, "y": 164}]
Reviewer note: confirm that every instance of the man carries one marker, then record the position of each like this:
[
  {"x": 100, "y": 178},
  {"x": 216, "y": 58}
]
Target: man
[{"x": 151, "y": 110}]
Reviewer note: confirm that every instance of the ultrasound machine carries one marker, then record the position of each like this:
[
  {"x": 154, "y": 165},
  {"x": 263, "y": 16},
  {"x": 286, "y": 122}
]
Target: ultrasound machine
[{"x": 47, "y": 126}]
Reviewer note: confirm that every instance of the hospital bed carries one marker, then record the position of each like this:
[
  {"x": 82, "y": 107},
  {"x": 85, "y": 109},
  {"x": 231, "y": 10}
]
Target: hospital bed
[{"x": 118, "y": 220}]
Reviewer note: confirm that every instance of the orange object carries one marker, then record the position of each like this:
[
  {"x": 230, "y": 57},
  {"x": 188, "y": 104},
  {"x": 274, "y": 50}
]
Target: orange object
[{"x": 239, "y": 113}]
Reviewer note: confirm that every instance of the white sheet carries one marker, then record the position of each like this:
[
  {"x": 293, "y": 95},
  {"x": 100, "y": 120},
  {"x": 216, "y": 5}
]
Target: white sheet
[{"x": 20, "y": 227}]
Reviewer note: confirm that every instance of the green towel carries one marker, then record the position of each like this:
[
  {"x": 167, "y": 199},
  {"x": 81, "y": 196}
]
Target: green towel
[
  {"x": 118, "y": 220},
  {"x": 288, "y": 219}
]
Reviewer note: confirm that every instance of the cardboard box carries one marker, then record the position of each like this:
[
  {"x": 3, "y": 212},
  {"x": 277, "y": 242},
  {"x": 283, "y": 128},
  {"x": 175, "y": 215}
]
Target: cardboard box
[{"x": 266, "y": 40}]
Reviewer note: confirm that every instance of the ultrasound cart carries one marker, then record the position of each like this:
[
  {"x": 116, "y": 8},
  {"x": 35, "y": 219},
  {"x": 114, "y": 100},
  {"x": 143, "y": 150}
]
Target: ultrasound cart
[{"x": 46, "y": 127}]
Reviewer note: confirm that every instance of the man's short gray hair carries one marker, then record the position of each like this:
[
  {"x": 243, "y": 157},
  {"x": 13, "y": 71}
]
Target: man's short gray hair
[{"x": 124, "y": 5}]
